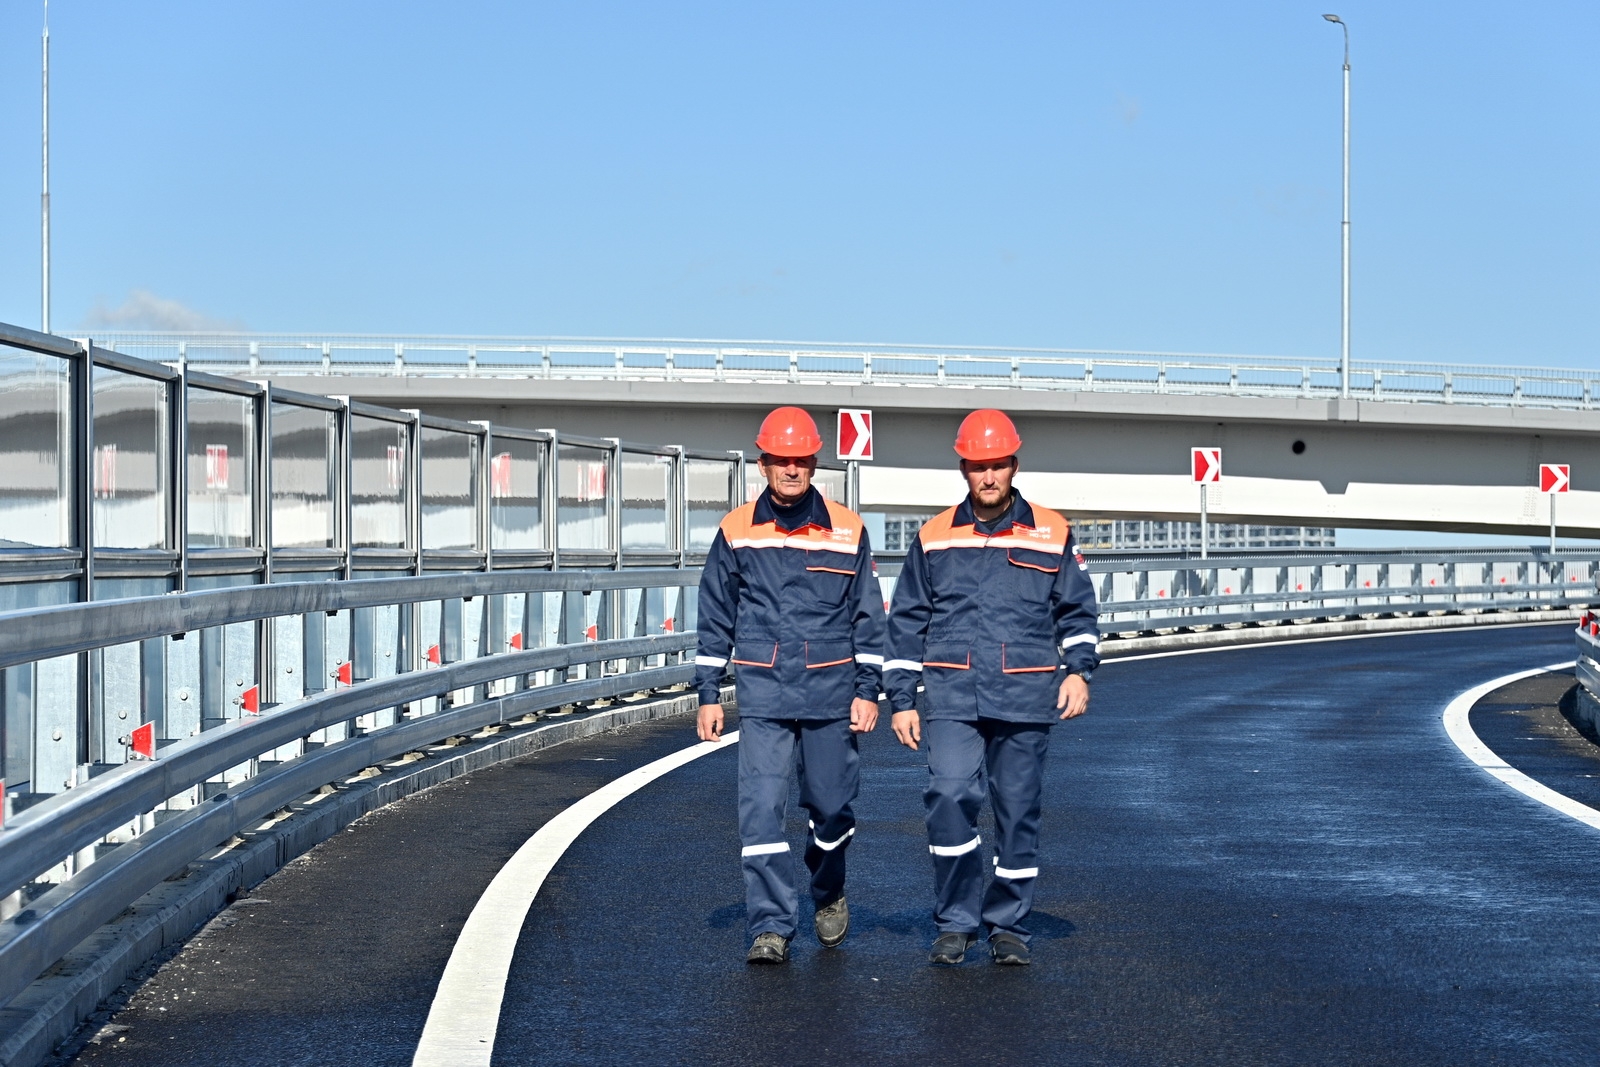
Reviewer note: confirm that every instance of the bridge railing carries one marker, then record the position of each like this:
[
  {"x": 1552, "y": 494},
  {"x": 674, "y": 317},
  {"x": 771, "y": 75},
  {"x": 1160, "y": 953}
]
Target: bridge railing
[{"x": 689, "y": 360}]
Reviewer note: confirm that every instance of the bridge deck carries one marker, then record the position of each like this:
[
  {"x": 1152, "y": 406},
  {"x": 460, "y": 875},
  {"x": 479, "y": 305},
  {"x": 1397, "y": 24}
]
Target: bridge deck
[{"x": 1255, "y": 855}]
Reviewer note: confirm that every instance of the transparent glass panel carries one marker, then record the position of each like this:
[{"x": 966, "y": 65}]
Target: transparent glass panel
[
  {"x": 516, "y": 487},
  {"x": 35, "y": 449},
  {"x": 450, "y": 488},
  {"x": 379, "y": 477},
  {"x": 221, "y": 469},
  {"x": 708, "y": 492},
  {"x": 581, "y": 477},
  {"x": 305, "y": 476},
  {"x": 647, "y": 502},
  {"x": 132, "y": 450}
]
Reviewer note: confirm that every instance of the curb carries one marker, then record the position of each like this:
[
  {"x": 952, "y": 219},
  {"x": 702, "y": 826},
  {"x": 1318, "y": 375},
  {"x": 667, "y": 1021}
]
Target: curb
[
  {"x": 64, "y": 998},
  {"x": 1113, "y": 647}
]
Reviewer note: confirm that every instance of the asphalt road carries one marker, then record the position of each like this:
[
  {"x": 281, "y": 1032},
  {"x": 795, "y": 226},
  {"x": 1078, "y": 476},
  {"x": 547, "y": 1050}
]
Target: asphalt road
[{"x": 1260, "y": 855}]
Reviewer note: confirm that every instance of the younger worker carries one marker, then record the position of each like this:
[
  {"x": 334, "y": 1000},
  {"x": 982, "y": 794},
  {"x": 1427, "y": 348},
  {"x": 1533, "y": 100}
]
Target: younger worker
[
  {"x": 789, "y": 595},
  {"x": 995, "y": 614}
]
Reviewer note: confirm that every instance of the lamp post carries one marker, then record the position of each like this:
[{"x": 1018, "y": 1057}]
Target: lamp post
[
  {"x": 1344, "y": 332},
  {"x": 44, "y": 196}
]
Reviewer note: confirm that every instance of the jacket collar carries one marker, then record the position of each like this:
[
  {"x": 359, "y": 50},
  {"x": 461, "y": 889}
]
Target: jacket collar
[
  {"x": 1019, "y": 514},
  {"x": 812, "y": 508}
]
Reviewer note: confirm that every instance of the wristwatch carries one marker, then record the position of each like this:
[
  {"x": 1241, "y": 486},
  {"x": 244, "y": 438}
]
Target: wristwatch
[{"x": 1087, "y": 676}]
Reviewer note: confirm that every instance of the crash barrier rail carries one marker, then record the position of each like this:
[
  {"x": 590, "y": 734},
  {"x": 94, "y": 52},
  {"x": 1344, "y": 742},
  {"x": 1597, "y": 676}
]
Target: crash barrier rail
[
  {"x": 699, "y": 360},
  {"x": 73, "y": 860},
  {"x": 1587, "y": 667},
  {"x": 417, "y": 660}
]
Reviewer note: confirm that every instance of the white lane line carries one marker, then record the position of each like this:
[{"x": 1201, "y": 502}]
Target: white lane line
[
  {"x": 1242, "y": 645},
  {"x": 465, "y": 1015},
  {"x": 1460, "y": 731}
]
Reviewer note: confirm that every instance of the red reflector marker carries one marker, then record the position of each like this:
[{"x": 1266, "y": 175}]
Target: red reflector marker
[
  {"x": 433, "y": 654},
  {"x": 143, "y": 741},
  {"x": 592, "y": 633},
  {"x": 516, "y": 640},
  {"x": 345, "y": 673},
  {"x": 250, "y": 700}
]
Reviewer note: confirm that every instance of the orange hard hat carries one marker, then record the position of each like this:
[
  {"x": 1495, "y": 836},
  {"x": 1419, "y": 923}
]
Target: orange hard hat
[
  {"x": 789, "y": 431},
  {"x": 987, "y": 434}
]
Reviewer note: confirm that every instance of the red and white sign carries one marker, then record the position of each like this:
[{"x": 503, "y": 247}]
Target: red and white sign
[
  {"x": 143, "y": 741},
  {"x": 1555, "y": 477},
  {"x": 1206, "y": 465},
  {"x": 216, "y": 466},
  {"x": 855, "y": 434},
  {"x": 500, "y": 476}
]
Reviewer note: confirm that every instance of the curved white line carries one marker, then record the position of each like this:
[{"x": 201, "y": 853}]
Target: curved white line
[
  {"x": 1460, "y": 731},
  {"x": 1318, "y": 639},
  {"x": 465, "y": 1016}
]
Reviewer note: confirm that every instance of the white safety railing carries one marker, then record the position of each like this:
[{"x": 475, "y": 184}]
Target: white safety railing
[{"x": 694, "y": 360}]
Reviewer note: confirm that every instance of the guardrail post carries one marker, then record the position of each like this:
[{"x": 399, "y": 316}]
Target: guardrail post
[
  {"x": 669, "y": 364},
  {"x": 544, "y": 359},
  {"x": 255, "y": 358},
  {"x": 866, "y": 368},
  {"x": 721, "y": 365},
  {"x": 1449, "y": 388},
  {"x": 621, "y": 363},
  {"x": 1016, "y": 371},
  {"x": 399, "y": 361},
  {"x": 327, "y": 358},
  {"x": 472, "y": 359},
  {"x": 794, "y": 366},
  {"x": 1233, "y": 379},
  {"x": 1377, "y": 383},
  {"x": 941, "y": 368},
  {"x": 1305, "y": 381},
  {"x": 1161, "y": 377},
  {"x": 1088, "y": 374},
  {"x": 1516, "y": 391}
]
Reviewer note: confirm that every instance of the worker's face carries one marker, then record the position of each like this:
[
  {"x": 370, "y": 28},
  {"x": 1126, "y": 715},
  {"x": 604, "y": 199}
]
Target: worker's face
[
  {"x": 989, "y": 480},
  {"x": 787, "y": 476}
]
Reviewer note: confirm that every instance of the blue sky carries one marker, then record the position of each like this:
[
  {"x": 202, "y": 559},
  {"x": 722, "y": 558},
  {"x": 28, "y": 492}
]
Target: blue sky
[{"x": 1145, "y": 176}]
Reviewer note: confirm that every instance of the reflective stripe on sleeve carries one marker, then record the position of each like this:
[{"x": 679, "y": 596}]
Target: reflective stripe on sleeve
[
  {"x": 902, "y": 665},
  {"x": 1080, "y": 639},
  {"x": 763, "y": 850},
  {"x": 829, "y": 846},
  {"x": 869, "y": 657},
  {"x": 710, "y": 661},
  {"x": 955, "y": 850}
]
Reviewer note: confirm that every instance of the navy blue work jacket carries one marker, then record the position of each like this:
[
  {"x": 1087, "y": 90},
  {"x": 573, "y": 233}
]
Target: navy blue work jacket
[
  {"x": 797, "y": 611},
  {"x": 991, "y": 622}
]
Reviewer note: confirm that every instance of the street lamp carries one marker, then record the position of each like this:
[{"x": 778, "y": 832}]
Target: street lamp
[{"x": 1344, "y": 331}]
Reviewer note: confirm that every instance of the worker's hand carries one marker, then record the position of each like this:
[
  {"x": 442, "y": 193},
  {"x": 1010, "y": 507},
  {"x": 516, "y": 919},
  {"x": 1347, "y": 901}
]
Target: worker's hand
[
  {"x": 907, "y": 726},
  {"x": 1073, "y": 698},
  {"x": 709, "y": 725},
  {"x": 863, "y": 715}
]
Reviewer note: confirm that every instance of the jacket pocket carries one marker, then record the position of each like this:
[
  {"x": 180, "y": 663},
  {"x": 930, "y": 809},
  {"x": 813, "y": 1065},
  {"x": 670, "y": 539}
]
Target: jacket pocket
[
  {"x": 829, "y": 654},
  {"x": 1027, "y": 659},
  {"x": 756, "y": 653},
  {"x": 1048, "y": 562},
  {"x": 951, "y": 657}
]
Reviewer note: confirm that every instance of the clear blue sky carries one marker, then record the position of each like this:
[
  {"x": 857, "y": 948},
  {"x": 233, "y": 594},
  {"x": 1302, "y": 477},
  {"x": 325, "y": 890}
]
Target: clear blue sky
[{"x": 1151, "y": 175}]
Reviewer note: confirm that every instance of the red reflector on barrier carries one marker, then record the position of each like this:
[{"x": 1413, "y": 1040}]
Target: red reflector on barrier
[
  {"x": 592, "y": 633},
  {"x": 516, "y": 641},
  {"x": 433, "y": 655},
  {"x": 250, "y": 700},
  {"x": 667, "y": 625},
  {"x": 143, "y": 741},
  {"x": 344, "y": 674}
]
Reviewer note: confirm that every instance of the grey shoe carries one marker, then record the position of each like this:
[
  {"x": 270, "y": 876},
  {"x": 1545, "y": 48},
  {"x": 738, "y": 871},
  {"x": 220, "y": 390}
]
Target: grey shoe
[
  {"x": 769, "y": 948},
  {"x": 833, "y": 922},
  {"x": 1009, "y": 950},
  {"x": 949, "y": 949}
]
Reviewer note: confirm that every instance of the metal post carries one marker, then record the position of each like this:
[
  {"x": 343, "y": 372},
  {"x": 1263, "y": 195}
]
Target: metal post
[
  {"x": 1344, "y": 332},
  {"x": 1552, "y": 531},
  {"x": 44, "y": 196},
  {"x": 1205, "y": 540}
]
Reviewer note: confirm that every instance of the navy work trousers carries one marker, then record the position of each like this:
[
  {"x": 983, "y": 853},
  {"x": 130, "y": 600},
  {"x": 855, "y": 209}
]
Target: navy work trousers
[
  {"x": 966, "y": 761},
  {"x": 830, "y": 777}
]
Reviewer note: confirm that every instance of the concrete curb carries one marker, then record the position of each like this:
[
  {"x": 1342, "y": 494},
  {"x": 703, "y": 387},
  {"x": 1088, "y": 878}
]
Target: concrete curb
[
  {"x": 59, "y": 1002},
  {"x": 1114, "y": 647}
]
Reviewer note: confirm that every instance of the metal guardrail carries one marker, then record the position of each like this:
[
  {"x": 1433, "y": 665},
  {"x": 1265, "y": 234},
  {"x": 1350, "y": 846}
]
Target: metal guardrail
[
  {"x": 701, "y": 360},
  {"x": 1587, "y": 668}
]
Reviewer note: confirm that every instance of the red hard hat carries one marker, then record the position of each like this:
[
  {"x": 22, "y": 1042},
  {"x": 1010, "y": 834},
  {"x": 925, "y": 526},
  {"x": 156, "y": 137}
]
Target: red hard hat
[
  {"x": 789, "y": 431},
  {"x": 987, "y": 434}
]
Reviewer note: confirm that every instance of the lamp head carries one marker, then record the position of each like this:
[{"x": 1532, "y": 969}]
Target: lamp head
[{"x": 1334, "y": 18}]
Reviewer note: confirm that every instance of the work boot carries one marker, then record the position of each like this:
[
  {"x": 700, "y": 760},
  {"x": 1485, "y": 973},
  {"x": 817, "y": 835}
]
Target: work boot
[
  {"x": 951, "y": 948},
  {"x": 833, "y": 922},
  {"x": 1008, "y": 950},
  {"x": 769, "y": 948}
]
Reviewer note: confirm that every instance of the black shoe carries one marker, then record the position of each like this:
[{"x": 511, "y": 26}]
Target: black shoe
[
  {"x": 951, "y": 948},
  {"x": 1007, "y": 949},
  {"x": 833, "y": 922},
  {"x": 769, "y": 948}
]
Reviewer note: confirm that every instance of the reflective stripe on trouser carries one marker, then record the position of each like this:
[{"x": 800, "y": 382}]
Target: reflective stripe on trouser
[
  {"x": 826, "y": 756},
  {"x": 966, "y": 761}
]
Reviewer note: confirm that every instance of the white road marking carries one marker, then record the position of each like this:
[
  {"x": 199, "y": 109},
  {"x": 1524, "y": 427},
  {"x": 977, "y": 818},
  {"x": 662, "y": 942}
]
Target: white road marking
[
  {"x": 1460, "y": 731},
  {"x": 465, "y": 1016}
]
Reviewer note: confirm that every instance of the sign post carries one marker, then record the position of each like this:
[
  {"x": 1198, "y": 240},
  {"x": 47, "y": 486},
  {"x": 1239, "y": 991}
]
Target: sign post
[
  {"x": 1554, "y": 478},
  {"x": 1205, "y": 467},
  {"x": 853, "y": 443}
]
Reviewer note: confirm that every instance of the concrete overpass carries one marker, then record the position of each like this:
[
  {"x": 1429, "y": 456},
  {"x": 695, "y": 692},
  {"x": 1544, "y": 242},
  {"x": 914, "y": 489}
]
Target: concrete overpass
[{"x": 1108, "y": 433}]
